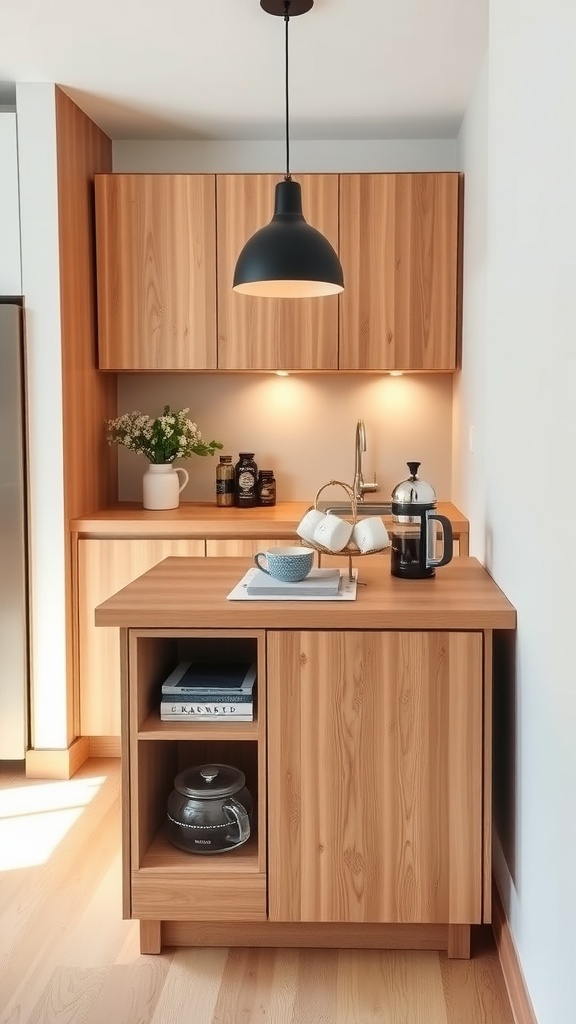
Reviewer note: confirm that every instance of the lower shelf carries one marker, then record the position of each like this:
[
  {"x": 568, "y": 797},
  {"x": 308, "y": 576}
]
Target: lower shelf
[
  {"x": 189, "y": 887},
  {"x": 161, "y": 855}
]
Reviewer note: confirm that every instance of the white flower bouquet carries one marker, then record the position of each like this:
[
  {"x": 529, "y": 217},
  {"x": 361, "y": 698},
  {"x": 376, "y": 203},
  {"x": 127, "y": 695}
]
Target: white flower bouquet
[{"x": 162, "y": 440}]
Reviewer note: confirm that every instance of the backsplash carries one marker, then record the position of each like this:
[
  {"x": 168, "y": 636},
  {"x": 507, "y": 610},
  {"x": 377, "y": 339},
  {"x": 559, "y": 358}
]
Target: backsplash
[{"x": 301, "y": 426}]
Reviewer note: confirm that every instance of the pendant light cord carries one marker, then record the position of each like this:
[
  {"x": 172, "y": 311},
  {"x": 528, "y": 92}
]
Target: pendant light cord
[{"x": 287, "y": 176}]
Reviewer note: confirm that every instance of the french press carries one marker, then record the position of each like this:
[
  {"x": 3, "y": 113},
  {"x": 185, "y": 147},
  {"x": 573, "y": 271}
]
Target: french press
[{"x": 414, "y": 533}]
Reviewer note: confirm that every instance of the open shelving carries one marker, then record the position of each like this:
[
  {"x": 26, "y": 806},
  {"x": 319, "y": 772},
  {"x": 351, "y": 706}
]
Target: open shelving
[{"x": 162, "y": 882}]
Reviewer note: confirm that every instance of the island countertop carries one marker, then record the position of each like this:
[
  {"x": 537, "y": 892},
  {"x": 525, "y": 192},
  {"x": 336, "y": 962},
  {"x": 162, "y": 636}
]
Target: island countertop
[{"x": 191, "y": 593}]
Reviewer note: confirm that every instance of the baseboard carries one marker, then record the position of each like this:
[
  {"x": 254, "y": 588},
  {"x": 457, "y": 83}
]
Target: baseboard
[
  {"x": 520, "y": 1002},
  {"x": 57, "y": 764},
  {"x": 105, "y": 746}
]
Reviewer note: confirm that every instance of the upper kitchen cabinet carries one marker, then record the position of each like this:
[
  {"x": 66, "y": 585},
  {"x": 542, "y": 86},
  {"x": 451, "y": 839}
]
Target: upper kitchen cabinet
[
  {"x": 399, "y": 252},
  {"x": 272, "y": 334},
  {"x": 156, "y": 253}
]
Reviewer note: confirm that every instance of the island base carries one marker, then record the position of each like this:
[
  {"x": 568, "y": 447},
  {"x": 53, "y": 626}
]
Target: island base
[{"x": 454, "y": 938}]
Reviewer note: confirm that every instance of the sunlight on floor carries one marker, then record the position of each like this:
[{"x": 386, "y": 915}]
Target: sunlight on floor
[{"x": 35, "y": 818}]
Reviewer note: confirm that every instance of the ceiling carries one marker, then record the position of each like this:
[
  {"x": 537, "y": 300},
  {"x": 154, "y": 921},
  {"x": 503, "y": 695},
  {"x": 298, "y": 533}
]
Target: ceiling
[{"x": 214, "y": 69}]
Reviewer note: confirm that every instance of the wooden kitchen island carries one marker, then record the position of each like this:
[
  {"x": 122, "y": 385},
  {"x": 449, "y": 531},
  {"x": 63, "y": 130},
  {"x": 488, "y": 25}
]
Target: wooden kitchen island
[{"x": 369, "y": 759}]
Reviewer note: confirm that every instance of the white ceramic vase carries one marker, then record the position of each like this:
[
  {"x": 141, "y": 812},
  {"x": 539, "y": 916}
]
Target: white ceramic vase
[{"x": 161, "y": 485}]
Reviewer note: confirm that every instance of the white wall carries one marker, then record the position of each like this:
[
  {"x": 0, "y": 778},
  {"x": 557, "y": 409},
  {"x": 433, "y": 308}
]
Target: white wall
[
  {"x": 268, "y": 157},
  {"x": 41, "y": 287},
  {"x": 10, "y": 270},
  {"x": 524, "y": 487},
  {"x": 406, "y": 417},
  {"x": 469, "y": 385}
]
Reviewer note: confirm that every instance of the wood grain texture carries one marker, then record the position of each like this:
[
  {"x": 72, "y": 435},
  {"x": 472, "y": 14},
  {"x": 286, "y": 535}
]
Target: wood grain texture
[
  {"x": 272, "y": 334},
  {"x": 87, "y": 397},
  {"x": 156, "y": 254},
  {"x": 399, "y": 252},
  {"x": 375, "y": 768},
  {"x": 67, "y": 955},
  {"x": 105, "y": 566},
  {"x": 181, "y": 593}
]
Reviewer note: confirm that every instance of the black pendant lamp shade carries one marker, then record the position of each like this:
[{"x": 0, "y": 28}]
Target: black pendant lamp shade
[{"x": 288, "y": 258}]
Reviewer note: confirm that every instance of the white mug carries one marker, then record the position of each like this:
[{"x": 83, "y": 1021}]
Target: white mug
[
  {"x": 309, "y": 522},
  {"x": 370, "y": 534},
  {"x": 333, "y": 533}
]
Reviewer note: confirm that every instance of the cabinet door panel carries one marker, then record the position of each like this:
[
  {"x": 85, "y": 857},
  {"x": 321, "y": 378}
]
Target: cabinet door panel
[
  {"x": 375, "y": 777},
  {"x": 104, "y": 567},
  {"x": 236, "y": 547},
  {"x": 399, "y": 252},
  {"x": 272, "y": 334},
  {"x": 156, "y": 257}
]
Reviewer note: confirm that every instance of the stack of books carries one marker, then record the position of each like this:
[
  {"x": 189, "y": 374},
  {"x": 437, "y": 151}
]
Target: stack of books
[{"x": 206, "y": 693}]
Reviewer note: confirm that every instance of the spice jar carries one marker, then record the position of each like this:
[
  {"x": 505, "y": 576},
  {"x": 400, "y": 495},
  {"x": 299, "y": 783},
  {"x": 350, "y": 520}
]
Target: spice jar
[
  {"x": 246, "y": 477},
  {"x": 266, "y": 487},
  {"x": 225, "y": 482}
]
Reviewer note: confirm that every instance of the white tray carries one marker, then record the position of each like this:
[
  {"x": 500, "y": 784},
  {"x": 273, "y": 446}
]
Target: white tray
[{"x": 346, "y": 592}]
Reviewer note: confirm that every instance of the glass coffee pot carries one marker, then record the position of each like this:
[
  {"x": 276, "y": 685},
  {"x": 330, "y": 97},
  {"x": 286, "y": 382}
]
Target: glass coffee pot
[{"x": 415, "y": 529}]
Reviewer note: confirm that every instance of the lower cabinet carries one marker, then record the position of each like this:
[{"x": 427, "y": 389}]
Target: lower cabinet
[
  {"x": 367, "y": 768},
  {"x": 104, "y": 567}
]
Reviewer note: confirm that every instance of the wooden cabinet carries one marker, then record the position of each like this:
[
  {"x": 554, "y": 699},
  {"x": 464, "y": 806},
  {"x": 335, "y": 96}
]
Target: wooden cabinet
[
  {"x": 156, "y": 257},
  {"x": 167, "y": 245},
  {"x": 104, "y": 567},
  {"x": 272, "y": 334},
  {"x": 231, "y": 548},
  {"x": 399, "y": 252},
  {"x": 375, "y": 776},
  {"x": 160, "y": 881}
]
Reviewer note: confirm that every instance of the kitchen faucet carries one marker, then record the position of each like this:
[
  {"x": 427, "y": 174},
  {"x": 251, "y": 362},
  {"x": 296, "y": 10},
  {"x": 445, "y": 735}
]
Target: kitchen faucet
[{"x": 359, "y": 487}]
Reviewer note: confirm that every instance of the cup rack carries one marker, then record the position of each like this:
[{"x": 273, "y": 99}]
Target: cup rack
[{"x": 351, "y": 550}]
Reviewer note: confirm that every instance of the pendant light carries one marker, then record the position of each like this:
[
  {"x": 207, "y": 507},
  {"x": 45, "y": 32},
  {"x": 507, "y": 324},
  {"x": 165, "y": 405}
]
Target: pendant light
[{"x": 288, "y": 258}]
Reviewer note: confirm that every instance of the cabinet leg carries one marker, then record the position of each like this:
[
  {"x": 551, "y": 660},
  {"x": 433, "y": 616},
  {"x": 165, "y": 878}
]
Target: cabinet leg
[
  {"x": 459, "y": 941},
  {"x": 150, "y": 936}
]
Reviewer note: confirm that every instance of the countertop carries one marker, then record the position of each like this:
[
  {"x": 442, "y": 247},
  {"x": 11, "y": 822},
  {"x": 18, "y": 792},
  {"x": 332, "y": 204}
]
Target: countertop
[
  {"x": 206, "y": 519},
  {"x": 190, "y": 593}
]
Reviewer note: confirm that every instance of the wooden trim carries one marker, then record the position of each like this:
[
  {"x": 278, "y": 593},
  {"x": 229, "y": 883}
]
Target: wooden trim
[
  {"x": 57, "y": 764},
  {"x": 105, "y": 746},
  {"x": 520, "y": 1002},
  {"x": 487, "y": 782},
  {"x": 459, "y": 941},
  {"x": 327, "y": 935}
]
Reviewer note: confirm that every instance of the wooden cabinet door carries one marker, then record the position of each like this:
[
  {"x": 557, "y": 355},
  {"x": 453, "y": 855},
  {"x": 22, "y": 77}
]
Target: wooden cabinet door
[
  {"x": 399, "y": 253},
  {"x": 231, "y": 548},
  {"x": 272, "y": 334},
  {"x": 156, "y": 258},
  {"x": 375, "y": 776},
  {"x": 104, "y": 567}
]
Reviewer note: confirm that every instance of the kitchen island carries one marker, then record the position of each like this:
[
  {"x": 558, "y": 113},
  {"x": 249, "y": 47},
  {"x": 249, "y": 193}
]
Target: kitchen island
[{"x": 369, "y": 759}]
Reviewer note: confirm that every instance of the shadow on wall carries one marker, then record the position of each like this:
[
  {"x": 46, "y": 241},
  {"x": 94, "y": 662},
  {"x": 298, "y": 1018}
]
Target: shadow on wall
[{"x": 504, "y": 740}]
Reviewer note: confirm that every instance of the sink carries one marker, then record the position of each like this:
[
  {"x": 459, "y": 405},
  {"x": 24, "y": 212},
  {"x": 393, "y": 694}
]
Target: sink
[{"x": 363, "y": 509}]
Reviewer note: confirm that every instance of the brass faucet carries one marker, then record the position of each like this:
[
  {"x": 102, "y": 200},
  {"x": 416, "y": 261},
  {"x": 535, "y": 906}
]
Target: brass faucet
[{"x": 359, "y": 487}]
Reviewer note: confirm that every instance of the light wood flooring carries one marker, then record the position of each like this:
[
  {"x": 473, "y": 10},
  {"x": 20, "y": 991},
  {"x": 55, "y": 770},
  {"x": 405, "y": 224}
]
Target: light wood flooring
[{"x": 67, "y": 956}]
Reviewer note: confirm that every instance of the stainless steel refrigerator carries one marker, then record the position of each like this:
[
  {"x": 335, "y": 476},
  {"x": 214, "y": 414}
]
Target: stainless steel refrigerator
[{"x": 14, "y": 662}]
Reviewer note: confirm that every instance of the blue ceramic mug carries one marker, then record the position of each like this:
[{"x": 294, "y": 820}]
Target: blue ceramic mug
[{"x": 290, "y": 564}]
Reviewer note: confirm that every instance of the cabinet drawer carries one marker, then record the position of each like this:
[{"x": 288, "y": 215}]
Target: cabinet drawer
[{"x": 175, "y": 896}]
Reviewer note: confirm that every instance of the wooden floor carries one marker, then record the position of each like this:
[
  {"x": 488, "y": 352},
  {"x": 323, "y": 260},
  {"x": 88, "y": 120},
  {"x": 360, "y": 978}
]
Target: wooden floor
[{"x": 67, "y": 956}]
